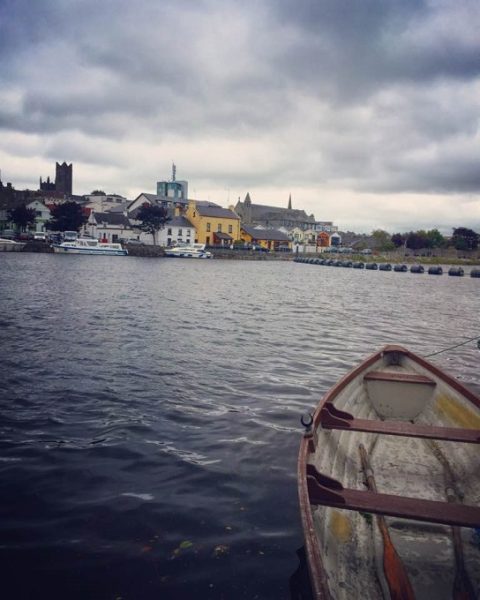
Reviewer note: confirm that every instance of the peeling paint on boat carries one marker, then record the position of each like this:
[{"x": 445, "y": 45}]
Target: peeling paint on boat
[
  {"x": 459, "y": 414},
  {"x": 340, "y": 526}
]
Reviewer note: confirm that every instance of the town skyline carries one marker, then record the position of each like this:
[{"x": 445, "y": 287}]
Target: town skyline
[
  {"x": 365, "y": 114},
  {"x": 48, "y": 182}
]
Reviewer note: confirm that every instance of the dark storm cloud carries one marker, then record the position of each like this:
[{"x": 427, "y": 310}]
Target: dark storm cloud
[
  {"x": 148, "y": 62},
  {"x": 360, "y": 45}
]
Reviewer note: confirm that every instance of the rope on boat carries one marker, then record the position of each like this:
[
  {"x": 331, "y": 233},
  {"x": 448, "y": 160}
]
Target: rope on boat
[{"x": 477, "y": 338}]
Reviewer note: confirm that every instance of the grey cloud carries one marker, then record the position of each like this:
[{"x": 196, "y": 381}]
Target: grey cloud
[
  {"x": 347, "y": 50},
  {"x": 431, "y": 175},
  {"x": 337, "y": 92}
]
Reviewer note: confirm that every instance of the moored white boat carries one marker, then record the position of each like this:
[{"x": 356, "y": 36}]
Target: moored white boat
[
  {"x": 420, "y": 429},
  {"x": 7, "y": 245},
  {"x": 188, "y": 251},
  {"x": 90, "y": 246}
]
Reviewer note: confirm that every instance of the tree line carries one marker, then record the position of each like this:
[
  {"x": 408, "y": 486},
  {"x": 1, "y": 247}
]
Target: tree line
[
  {"x": 64, "y": 217},
  {"x": 462, "y": 239}
]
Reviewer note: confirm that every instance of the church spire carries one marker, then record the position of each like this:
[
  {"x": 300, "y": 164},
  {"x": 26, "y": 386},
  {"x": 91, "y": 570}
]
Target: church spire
[{"x": 290, "y": 202}]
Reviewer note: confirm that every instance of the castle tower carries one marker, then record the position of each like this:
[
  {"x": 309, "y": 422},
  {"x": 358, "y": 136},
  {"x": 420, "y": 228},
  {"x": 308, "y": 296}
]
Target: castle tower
[
  {"x": 63, "y": 178},
  {"x": 46, "y": 186}
]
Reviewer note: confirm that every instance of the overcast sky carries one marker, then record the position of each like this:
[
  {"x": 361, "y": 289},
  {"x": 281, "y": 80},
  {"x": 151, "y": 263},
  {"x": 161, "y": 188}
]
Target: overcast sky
[{"x": 366, "y": 112}]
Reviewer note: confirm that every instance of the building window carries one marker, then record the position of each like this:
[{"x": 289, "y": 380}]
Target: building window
[
  {"x": 169, "y": 241},
  {"x": 208, "y": 226},
  {"x": 230, "y": 229},
  {"x": 219, "y": 228},
  {"x": 188, "y": 232},
  {"x": 169, "y": 231},
  {"x": 180, "y": 233}
]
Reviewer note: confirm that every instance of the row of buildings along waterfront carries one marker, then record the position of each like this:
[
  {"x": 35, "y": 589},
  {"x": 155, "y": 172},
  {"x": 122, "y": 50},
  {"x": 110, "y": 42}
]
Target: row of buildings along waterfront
[{"x": 113, "y": 217}]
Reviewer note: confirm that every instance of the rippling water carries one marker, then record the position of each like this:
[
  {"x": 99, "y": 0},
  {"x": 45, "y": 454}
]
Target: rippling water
[{"x": 150, "y": 412}]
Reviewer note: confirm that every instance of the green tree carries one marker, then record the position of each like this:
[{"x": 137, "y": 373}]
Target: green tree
[
  {"x": 435, "y": 239},
  {"x": 66, "y": 217},
  {"x": 22, "y": 217},
  {"x": 152, "y": 219},
  {"x": 398, "y": 239},
  {"x": 383, "y": 240},
  {"x": 465, "y": 239},
  {"x": 416, "y": 240}
]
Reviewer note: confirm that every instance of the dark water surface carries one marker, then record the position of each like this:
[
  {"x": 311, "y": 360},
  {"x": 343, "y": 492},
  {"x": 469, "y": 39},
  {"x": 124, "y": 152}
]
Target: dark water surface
[{"x": 150, "y": 412}]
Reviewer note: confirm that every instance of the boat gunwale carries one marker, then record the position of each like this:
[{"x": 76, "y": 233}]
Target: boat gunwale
[{"x": 316, "y": 569}]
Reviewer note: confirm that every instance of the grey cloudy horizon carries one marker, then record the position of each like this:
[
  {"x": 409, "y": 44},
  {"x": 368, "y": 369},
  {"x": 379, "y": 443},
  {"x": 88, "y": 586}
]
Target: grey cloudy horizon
[{"x": 365, "y": 112}]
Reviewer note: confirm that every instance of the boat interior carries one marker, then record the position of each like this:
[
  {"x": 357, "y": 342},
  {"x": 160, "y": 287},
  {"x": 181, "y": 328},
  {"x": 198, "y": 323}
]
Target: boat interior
[{"x": 421, "y": 430}]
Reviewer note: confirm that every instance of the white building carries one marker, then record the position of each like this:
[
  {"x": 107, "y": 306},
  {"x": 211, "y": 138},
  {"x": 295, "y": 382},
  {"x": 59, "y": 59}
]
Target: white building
[
  {"x": 42, "y": 214},
  {"x": 177, "y": 230},
  {"x": 109, "y": 226},
  {"x": 106, "y": 202},
  {"x": 327, "y": 226}
]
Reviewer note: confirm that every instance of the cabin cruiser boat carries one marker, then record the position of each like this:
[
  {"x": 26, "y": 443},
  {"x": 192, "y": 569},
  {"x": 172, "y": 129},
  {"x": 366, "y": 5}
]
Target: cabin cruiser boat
[
  {"x": 188, "y": 251},
  {"x": 90, "y": 246}
]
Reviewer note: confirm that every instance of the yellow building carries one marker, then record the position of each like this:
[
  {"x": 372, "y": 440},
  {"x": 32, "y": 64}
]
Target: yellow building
[{"x": 214, "y": 225}]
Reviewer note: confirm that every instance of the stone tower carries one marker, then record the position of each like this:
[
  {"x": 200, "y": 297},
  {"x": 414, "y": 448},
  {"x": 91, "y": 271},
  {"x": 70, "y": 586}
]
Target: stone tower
[{"x": 63, "y": 178}]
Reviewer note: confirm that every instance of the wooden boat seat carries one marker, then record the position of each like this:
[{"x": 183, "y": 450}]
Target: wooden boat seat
[
  {"x": 398, "y": 394},
  {"x": 325, "y": 491},
  {"x": 333, "y": 418},
  {"x": 398, "y": 376}
]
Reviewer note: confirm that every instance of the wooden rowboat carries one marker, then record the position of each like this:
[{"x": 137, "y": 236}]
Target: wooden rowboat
[{"x": 389, "y": 484}]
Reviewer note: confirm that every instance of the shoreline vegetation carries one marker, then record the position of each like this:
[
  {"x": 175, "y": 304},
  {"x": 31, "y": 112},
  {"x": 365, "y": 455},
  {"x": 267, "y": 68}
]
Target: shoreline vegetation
[{"x": 442, "y": 257}]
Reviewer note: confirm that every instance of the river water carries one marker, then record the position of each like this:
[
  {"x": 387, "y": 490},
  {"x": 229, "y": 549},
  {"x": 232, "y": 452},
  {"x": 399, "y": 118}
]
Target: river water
[{"x": 150, "y": 412}]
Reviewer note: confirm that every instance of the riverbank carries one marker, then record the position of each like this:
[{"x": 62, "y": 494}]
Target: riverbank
[
  {"x": 448, "y": 256},
  {"x": 441, "y": 257}
]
